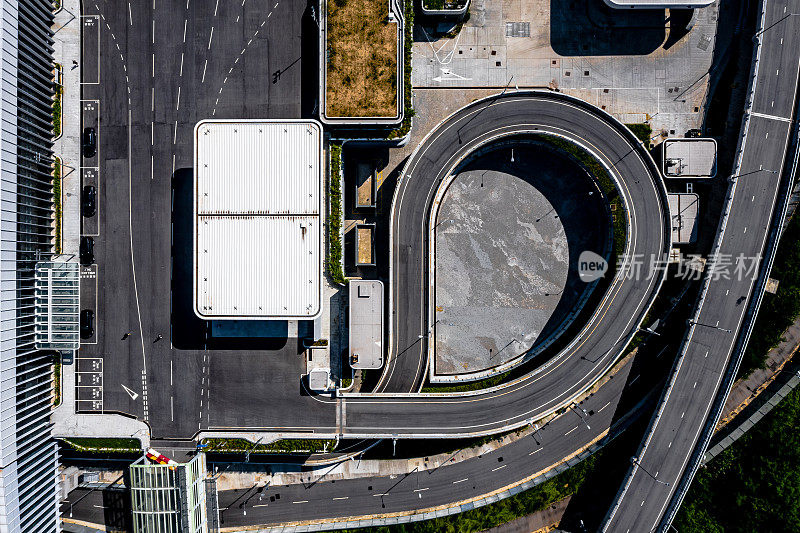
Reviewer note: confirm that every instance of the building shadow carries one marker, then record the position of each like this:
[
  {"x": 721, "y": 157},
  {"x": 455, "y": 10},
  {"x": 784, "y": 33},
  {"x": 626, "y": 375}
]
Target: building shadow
[
  {"x": 309, "y": 63},
  {"x": 190, "y": 332},
  {"x": 591, "y": 28},
  {"x": 580, "y": 210},
  {"x": 117, "y": 514}
]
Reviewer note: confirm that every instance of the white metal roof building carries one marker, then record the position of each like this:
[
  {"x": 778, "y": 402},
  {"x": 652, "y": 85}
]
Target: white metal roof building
[
  {"x": 658, "y": 4},
  {"x": 257, "y": 219}
]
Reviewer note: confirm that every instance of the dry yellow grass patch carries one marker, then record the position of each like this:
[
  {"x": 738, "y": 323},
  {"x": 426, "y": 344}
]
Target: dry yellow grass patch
[{"x": 362, "y": 60}]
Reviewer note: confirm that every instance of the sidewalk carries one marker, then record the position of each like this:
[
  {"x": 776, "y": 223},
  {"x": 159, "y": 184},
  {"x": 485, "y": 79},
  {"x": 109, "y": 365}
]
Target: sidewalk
[
  {"x": 746, "y": 390},
  {"x": 67, "y": 47}
]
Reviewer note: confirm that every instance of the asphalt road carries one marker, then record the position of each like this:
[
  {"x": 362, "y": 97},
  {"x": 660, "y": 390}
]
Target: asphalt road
[
  {"x": 580, "y": 363},
  {"x": 673, "y": 436},
  {"x": 322, "y": 499},
  {"x": 154, "y": 86},
  {"x": 163, "y": 66}
]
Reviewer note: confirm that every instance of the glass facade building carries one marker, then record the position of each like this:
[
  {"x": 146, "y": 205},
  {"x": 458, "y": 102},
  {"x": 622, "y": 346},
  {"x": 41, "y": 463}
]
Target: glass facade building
[
  {"x": 28, "y": 454},
  {"x": 169, "y": 498}
]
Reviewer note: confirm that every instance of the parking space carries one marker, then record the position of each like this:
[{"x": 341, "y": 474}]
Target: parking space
[
  {"x": 90, "y": 37},
  {"x": 89, "y": 384},
  {"x": 89, "y": 299},
  {"x": 90, "y": 118},
  {"x": 90, "y": 226}
]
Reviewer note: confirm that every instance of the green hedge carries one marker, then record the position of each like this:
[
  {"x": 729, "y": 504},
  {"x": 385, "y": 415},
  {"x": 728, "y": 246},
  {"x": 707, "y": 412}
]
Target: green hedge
[
  {"x": 643, "y": 132},
  {"x": 405, "y": 126},
  {"x": 470, "y": 386},
  {"x": 57, "y": 380},
  {"x": 279, "y": 446},
  {"x": 335, "y": 245},
  {"x": 57, "y": 104},
  {"x": 57, "y": 209},
  {"x": 104, "y": 445}
]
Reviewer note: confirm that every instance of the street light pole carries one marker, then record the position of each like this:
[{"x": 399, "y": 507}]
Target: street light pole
[
  {"x": 709, "y": 326},
  {"x": 635, "y": 462},
  {"x": 575, "y": 410},
  {"x": 786, "y": 16}
]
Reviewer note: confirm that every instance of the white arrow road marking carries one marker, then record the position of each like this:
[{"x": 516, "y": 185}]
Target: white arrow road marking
[
  {"x": 132, "y": 394},
  {"x": 448, "y": 75}
]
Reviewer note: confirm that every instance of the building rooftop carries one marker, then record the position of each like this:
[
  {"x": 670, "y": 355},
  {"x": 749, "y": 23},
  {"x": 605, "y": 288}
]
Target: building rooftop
[
  {"x": 366, "y": 324},
  {"x": 690, "y": 158},
  {"x": 658, "y": 4},
  {"x": 258, "y": 224},
  {"x": 683, "y": 210}
]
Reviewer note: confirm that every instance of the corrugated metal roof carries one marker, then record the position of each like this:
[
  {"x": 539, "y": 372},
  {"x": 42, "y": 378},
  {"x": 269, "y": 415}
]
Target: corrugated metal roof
[
  {"x": 258, "y": 228},
  {"x": 258, "y": 168}
]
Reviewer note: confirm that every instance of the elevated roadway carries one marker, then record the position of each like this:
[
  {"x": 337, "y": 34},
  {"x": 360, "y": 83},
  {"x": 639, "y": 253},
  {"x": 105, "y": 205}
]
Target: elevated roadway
[
  {"x": 597, "y": 346},
  {"x": 662, "y": 469}
]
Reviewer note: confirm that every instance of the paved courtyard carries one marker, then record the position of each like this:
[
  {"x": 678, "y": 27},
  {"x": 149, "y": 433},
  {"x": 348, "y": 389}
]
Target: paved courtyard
[
  {"x": 508, "y": 237},
  {"x": 640, "y": 66}
]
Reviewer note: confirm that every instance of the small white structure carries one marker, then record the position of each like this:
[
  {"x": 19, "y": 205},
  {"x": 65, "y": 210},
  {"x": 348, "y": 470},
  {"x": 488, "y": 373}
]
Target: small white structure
[
  {"x": 690, "y": 158},
  {"x": 683, "y": 210},
  {"x": 257, "y": 219},
  {"x": 658, "y": 4},
  {"x": 366, "y": 324},
  {"x": 319, "y": 380}
]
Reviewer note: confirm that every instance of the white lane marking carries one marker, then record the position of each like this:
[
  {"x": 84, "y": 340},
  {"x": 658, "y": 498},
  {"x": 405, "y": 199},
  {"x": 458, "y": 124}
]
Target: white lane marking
[
  {"x": 420, "y": 490},
  {"x": 211, "y": 36},
  {"x": 301, "y": 501},
  {"x": 498, "y": 468},
  {"x": 205, "y": 64},
  {"x": 341, "y": 498},
  {"x": 570, "y": 431},
  {"x": 771, "y": 117},
  {"x": 536, "y": 451},
  {"x": 606, "y": 405},
  {"x": 130, "y": 16},
  {"x": 460, "y": 481}
]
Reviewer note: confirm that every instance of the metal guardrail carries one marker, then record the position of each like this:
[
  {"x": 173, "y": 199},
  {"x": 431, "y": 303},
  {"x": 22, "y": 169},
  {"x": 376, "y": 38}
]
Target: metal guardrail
[
  {"x": 744, "y": 336},
  {"x": 347, "y": 523},
  {"x": 699, "y": 305}
]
